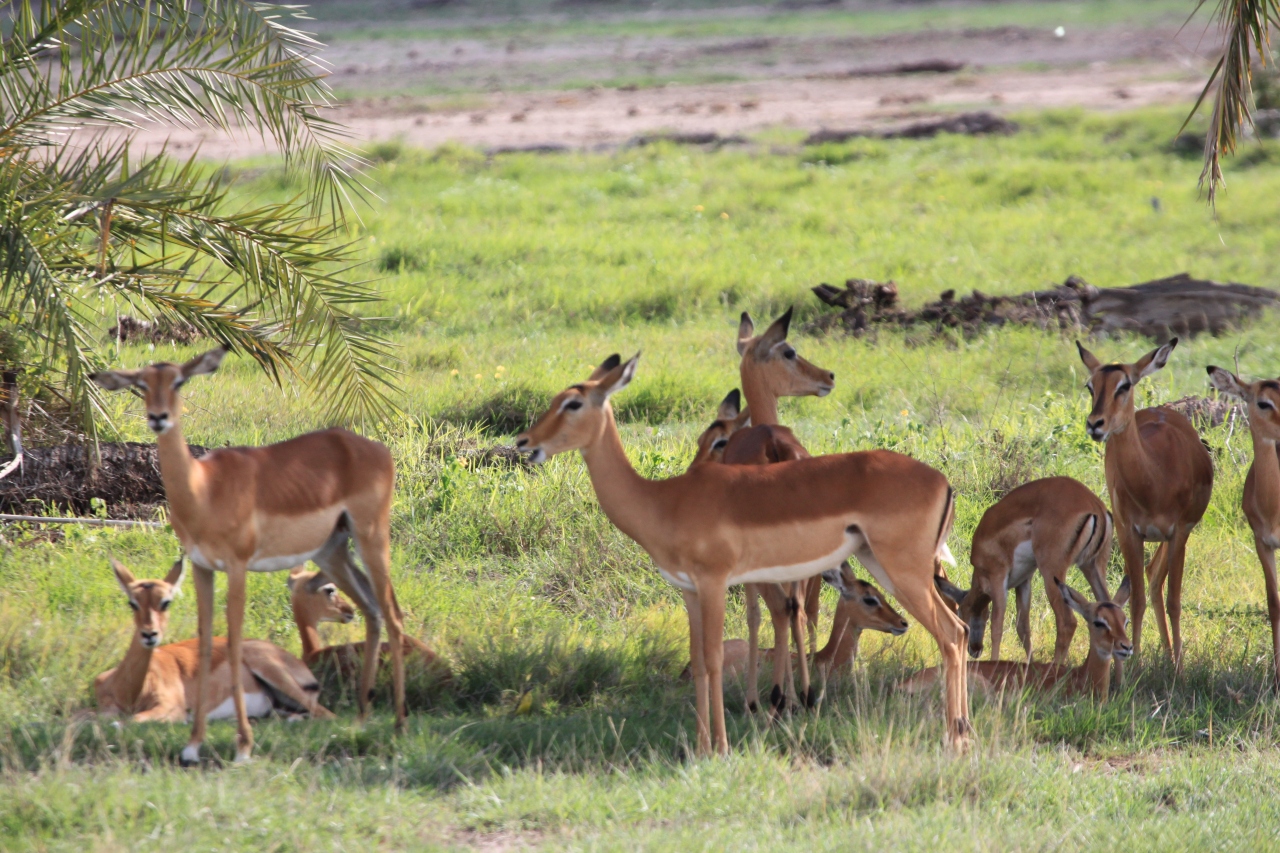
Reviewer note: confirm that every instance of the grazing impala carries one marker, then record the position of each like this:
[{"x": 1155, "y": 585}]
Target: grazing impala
[
  {"x": 719, "y": 525},
  {"x": 315, "y": 599},
  {"x": 1047, "y": 524},
  {"x": 771, "y": 368},
  {"x": 1159, "y": 476},
  {"x": 1108, "y": 641},
  {"x": 266, "y": 509},
  {"x": 156, "y": 683},
  {"x": 1262, "y": 483}
]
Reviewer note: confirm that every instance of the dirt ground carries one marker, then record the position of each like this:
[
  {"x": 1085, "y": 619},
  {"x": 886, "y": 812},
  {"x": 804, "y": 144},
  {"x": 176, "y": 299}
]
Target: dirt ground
[{"x": 805, "y": 83}]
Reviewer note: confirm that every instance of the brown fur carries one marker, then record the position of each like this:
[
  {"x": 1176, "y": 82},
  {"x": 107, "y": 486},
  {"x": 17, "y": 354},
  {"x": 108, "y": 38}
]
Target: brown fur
[
  {"x": 716, "y": 523},
  {"x": 1065, "y": 524},
  {"x": 1261, "y": 500},
  {"x": 258, "y": 507},
  {"x": 1159, "y": 477},
  {"x": 158, "y": 683}
]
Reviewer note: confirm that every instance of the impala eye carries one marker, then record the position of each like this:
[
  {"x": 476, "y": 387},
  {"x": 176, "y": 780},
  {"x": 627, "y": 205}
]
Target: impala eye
[
  {"x": 719, "y": 443},
  {"x": 133, "y": 604},
  {"x": 164, "y": 605},
  {"x": 572, "y": 405},
  {"x": 140, "y": 384},
  {"x": 871, "y": 602},
  {"x": 1266, "y": 405},
  {"x": 1089, "y": 385},
  {"x": 791, "y": 354},
  {"x": 1098, "y": 623},
  {"x": 1121, "y": 388}
]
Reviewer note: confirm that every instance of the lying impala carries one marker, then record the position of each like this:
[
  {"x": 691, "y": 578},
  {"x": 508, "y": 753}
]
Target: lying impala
[
  {"x": 1262, "y": 484},
  {"x": 1108, "y": 641},
  {"x": 719, "y": 525},
  {"x": 266, "y": 509},
  {"x": 771, "y": 368},
  {"x": 1048, "y": 524},
  {"x": 1159, "y": 476},
  {"x": 315, "y": 599},
  {"x": 158, "y": 683}
]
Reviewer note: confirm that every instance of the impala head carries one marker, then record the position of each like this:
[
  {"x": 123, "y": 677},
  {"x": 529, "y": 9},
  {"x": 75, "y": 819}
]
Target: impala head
[
  {"x": 158, "y": 385},
  {"x": 315, "y": 599},
  {"x": 150, "y": 601},
  {"x": 1263, "y": 398},
  {"x": 1111, "y": 386},
  {"x": 773, "y": 366},
  {"x": 864, "y": 603},
  {"x": 579, "y": 413},
  {"x": 1108, "y": 635},
  {"x": 973, "y": 606},
  {"x": 730, "y": 418}
]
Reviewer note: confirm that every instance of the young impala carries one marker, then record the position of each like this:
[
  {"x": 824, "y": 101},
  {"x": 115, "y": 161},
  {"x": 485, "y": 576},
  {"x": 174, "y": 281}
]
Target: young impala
[
  {"x": 315, "y": 599},
  {"x": 719, "y": 525},
  {"x": 1047, "y": 524},
  {"x": 1262, "y": 483},
  {"x": 1108, "y": 641},
  {"x": 158, "y": 683},
  {"x": 861, "y": 608},
  {"x": 1159, "y": 476},
  {"x": 266, "y": 509}
]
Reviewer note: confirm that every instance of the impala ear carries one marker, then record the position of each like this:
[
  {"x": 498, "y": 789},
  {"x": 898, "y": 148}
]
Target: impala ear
[
  {"x": 297, "y": 575},
  {"x": 1075, "y": 600},
  {"x": 605, "y": 366},
  {"x": 1090, "y": 361},
  {"x": 615, "y": 380},
  {"x": 123, "y": 576},
  {"x": 949, "y": 590},
  {"x": 206, "y": 362},
  {"x": 174, "y": 578},
  {"x": 1227, "y": 382},
  {"x": 730, "y": 406},
  {"x": 115, "y": 380},
  {"x": 777, "y": 331},
  {"x": 746, "y": 331},
  {"x": 1121, "y": 598},
  {"x": 1154, "y": 360}
]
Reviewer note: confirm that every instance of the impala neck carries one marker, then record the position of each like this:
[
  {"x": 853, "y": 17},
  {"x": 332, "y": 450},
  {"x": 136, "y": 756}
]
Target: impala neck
[
  {"x": 762, "y": 403},
  {"x": 309, "y": 633},
  {"x": 1130, "y": 451},
  {"x": 626, "y": 497},
  {"x": 1095, "y": 673},
  {"x": 131, "y": 674},
  {"x": 179, "y": 472},
  {"x": 1266, "y": 472}
]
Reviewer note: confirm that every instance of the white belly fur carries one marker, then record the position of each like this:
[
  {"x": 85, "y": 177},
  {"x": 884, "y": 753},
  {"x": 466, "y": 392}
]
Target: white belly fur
[
  {"x": 800, "y": 571},
  {"x": 1024, "y": 563},
  {"x": 679, "y": 580},
  {"x": 278, "y": 564},
  {"x": 255, "y": 705}
]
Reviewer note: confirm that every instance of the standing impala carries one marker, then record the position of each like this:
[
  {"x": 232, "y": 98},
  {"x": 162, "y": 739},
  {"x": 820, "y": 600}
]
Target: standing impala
[
  {"x": 265, "y": 509},
  {"x": 1160, "y": 477},
  {"x": 719, "y": 525},
  {"x": 1262, "y": 484},
  {"x": 771, "y": 368},
  {"x": 156, "y": 683},
  {"x": 1047, "y": 524}
]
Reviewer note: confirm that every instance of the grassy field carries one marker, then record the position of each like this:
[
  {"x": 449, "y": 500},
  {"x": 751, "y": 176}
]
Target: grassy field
[{"x": 505, "y": 280}]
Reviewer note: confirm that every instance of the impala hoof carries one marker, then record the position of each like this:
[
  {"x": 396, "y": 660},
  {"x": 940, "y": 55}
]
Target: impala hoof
[
  {"x": 753, "y": 707},
  {"x": 811, "y": 698},
  {"x": 190, "y": 756},
  {"x": 777, "y": 700},
  {"x": 242, "y": 756}
]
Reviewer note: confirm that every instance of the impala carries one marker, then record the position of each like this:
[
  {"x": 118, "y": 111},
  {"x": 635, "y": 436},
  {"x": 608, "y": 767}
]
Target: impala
[
  {"x": 1262, "y": 483},
  {"x": 158, "y": 683},
  {"x": 315, "y": 599},
  {"x": 719, "y": 525},
  {"x": 1108, "y": 641},
  {"x": 1159, "y": 476},
  {"x": 861, "y": 608},
  {"x": 1048, "y": 524},
  {"x": 730, "y": 417},
  {"x": 266, "y": 509}
]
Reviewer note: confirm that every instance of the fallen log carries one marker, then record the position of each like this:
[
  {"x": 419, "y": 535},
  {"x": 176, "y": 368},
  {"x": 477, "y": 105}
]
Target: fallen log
[{"x": 966, "y": 124}]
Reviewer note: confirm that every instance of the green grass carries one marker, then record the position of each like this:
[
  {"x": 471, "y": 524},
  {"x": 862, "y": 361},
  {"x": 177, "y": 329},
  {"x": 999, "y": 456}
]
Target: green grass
[{"x": 519, "y": 273}]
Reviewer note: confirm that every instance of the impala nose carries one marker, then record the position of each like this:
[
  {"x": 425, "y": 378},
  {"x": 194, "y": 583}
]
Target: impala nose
[
  {"x": 1094, "y": 428},
  {"x": 150, "y": 638},
  {"x": 1123, "y": 652},
  {"x": 158, "y": 423}
]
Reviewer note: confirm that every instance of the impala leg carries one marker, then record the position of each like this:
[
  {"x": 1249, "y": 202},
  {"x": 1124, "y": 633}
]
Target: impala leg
[
  {"x": 753, "y": 647},
  {"x": 711, "y": 600},
  {"x": 999, "y": 604},
  {"x": 1062, "y": 615},
  {"x": 203, "y": 580},
  {"x": 337, "y": 565},
  {"x": 1022, "y": 621},
  {"x": 796, "y": 610},
  {"x": 1267, "y": 556},
  {"x": 1157, "y": 571},
  {"x": 698, "y": 664},
  {"x": 375, "y": 551},
  {"x": 1176, "y": 559},
  {"x": 926, "y": 605},
  {"x": 235, "y": 659},
  {"x": 812, "y": 609},
  {"x": 784, "y": 691},
  {"x": 1131, "y": 550}
]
